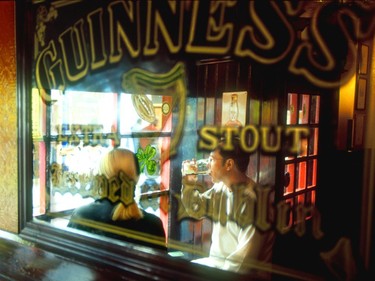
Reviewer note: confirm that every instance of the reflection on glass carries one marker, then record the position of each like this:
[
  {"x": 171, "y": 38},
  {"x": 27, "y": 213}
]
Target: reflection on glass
[
  {"x": 131, "y": 121},
  {"x": 313, "y": 141},
  {"x": 291, "y": 204},
  {"x": 72, "y": 170},
  {"x": 311, "y": 173},
  {"x": 310, "y": 197},
  {"x": 301, "y": 199},
  {"x": 84, "y": 113},
  {"x": 289, "y": 179},
  {"x": 303, "y": 147},
  {"x": 314, "y": 109},
  {"x": 303, "y": 110},
  {"x": 301, "y": 175},
  {"x": 291, "y": 117}
]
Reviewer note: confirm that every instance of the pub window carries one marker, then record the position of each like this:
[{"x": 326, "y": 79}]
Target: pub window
[
  {"x": 300, "y": 168},
  {"x": 138, "y": 75}
]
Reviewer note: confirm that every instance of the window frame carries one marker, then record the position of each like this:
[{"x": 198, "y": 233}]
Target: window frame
[{"x": 296, "y": 192}]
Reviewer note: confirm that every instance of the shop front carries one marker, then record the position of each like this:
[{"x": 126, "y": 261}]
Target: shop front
[{"x": 170, "y": 81}]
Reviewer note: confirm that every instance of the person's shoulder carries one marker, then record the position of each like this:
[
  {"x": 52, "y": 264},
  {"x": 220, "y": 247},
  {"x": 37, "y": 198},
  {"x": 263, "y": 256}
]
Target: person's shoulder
[
  {"x": 150, "y": 217},
  {"x": 219, "y": 186},
  {"x": 93, "y": 209},
  {"x": 152, "y": 223}
]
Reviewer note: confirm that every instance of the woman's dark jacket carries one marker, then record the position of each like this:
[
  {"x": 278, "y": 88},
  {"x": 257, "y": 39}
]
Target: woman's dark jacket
[{"x": 146, "y": 231}]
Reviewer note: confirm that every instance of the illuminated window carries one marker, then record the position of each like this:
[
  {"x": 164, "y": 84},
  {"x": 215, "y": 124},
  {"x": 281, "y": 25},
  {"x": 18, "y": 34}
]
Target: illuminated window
[{"x": 300, "y": 169}]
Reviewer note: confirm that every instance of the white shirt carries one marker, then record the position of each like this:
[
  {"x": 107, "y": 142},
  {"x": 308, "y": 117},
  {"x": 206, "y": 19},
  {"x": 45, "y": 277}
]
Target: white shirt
[{"x": 235, "y": 247}]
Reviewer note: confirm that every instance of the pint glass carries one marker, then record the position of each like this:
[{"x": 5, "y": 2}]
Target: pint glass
[{"x": 195, "y": 167}]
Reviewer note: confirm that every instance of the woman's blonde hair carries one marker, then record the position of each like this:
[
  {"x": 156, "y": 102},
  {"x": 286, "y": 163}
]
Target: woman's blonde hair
[{"x": 120, "y": 159}]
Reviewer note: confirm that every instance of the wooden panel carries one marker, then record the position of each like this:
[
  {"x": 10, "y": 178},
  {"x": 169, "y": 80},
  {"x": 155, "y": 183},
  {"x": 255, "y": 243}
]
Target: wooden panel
[{"x": 8, "y": 119}]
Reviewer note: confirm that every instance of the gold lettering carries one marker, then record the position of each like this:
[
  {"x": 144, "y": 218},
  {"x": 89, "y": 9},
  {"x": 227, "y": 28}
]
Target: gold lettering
[
  {"x": 297, "y": 132},
  {"x": 215, "y": 208},
  {"x": 283, "y": 214},
  {"x": 115, "y": 137},
  {"x": 86, "y": 130},
  {"x": 60, "y": 136},
  {"x": 254, "y": 139},
  {"x": 127, "y": 189},
  {"x": 259, "y": 42},
  {"x": 97, "y": 138},
  {"x": 208, "y": 139},
  {"x": 74, "y": 139},
  {"x": 113, "y": 186},
  {"x": 100, "y": 186},
  {"x": 245, "y": 212},
  {"x": 302, "y": 213},
  {"x": 209, "y": 33},
  {"x": 267, "y": 137},
  {"x": 48, "y": 71},
  {"x": 96, "y": 37},
  {"x": 74, "y": 53},
  {"x": 167, "y": 14},
  {"x": 124, "y": 27},
  {"x": 316, "y": 230},
  {"x": 194, "y": 205},
  {"x": 228, "y": 132},
  {"x": 263, "y": 207}
]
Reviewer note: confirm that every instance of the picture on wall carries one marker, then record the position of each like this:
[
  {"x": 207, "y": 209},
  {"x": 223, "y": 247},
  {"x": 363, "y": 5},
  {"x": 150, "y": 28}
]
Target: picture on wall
[{"x": 234, "y": 109}]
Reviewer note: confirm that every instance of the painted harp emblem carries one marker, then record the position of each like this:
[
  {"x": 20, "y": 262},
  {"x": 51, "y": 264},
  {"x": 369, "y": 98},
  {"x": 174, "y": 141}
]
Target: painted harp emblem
[
  {"x": 144, "y": 107},
  {"x": 141, "y": 83}
]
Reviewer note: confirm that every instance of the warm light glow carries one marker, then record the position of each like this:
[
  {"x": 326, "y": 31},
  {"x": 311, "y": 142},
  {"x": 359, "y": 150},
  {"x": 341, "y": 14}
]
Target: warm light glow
[{"x": 346, "y": 108}]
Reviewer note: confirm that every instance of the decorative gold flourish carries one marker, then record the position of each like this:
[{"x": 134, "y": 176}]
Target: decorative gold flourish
[
  {"x": 44, "y": 16},
  {"x": 71, "y": 182},
  {"x": 117, "y": 188},
  {"x": 340, "y": 260}
]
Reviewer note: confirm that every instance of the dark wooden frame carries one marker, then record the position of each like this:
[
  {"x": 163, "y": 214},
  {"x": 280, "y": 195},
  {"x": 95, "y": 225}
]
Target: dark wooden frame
[
  {"x": 136, "y": 262},
  {"x": 361, "y": 93},
  {"x": 364, "y": 55}
]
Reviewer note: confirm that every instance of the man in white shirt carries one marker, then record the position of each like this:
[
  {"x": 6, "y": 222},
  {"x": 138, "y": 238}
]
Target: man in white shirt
[{"x": 236, "y": 242}]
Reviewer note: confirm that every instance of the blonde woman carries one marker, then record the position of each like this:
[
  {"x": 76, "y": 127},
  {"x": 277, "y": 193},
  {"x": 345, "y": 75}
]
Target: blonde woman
[{"x": 116, "y": 214}]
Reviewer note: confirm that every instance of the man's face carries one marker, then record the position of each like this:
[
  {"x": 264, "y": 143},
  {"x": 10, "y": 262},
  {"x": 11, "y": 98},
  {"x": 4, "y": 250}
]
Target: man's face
[{"x": 217, "y": 166}]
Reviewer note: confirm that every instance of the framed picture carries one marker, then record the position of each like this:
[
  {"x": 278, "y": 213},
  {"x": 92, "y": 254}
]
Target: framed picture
[
  {"x": 361, "y": 93},
  {"x": 363, "y": 63},
  {"x": 234, "y": 109}
]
